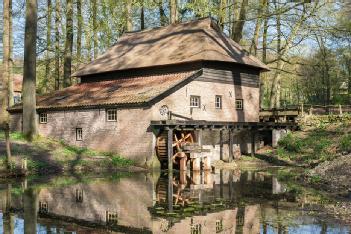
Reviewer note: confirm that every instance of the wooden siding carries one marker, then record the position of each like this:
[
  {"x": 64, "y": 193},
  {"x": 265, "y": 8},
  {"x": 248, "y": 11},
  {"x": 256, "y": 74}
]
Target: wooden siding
[{"x": 237, "y": 77}]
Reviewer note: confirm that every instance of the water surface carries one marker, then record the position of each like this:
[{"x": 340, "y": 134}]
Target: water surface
[{"x": 212, "y": 202}]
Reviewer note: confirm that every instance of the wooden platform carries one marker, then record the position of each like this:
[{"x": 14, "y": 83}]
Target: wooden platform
[{"x": 220, "y": 125}]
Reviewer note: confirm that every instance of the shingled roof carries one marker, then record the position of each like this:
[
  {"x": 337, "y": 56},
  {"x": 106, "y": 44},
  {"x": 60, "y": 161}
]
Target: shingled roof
[
  {"x": 200, "y": 40},
  {"x": 118, "y": 92}
]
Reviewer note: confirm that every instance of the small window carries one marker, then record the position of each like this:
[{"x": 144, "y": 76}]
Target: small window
[
  {"x": 219, "y": 225},
  {"x": 111, "y": 115},
  {"x": 239, "y": 104},
  {"x": 218, "y": 102},
  {"x": 79, "y": 134},
  {"x": 43, "y": 207},
  {"x": 195, "y": 101},
  {"x": 43, "y": 118},
  {"x": 79, "y": 195},
  {"x": 111, "y": 218}
]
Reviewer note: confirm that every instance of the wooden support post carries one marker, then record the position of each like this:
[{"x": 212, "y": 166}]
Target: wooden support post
[
  {"x": 230, "y": 147},
  {"x": 221, "y": 144},
  {"x": 196, "y": 164},
  {"x": 302, "y": 109},
  {"x": 207, "y": 163},
  {"x": 253, "y": 148},
  {"x": 182, "y": 162},
  {"x": 182, "y": 177},
  {"x": 170, "y": 149},
  {"x": 340, "y": 109},
  {"x": 170, "y": 191}
]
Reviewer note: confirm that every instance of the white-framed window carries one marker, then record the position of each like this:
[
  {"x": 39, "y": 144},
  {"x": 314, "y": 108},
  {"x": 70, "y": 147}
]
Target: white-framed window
[
  {"x": 79, "y": 134},
  {"x": 218, "y": 102},
  {"x": 239, "y": 104},
  {"x": 111, "y": 115},
  {"x": 195, "y": 101},
  {"x": 43, "y": 118}
]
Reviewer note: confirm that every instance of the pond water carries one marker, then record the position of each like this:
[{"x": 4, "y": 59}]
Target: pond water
[{"x": 208, "y": 202}]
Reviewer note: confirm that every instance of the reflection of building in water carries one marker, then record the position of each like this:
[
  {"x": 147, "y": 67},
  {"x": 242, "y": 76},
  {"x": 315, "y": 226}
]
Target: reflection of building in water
[
  {"x": 123, "y": 203},
  {"x": 212, "y": 203}
]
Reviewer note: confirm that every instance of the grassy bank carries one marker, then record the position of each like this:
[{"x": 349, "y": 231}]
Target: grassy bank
[
  {"x": 45, "y": 155},
  {"x": 323, "y": 147}
]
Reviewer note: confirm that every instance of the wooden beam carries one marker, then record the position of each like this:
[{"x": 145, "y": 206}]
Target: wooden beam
[
  {"x": 170, "y": 149},
  {"x": 221, "y": 145},
  {"x": 230, "y": 147},
  {"x": 253, "y": 150},
  {"x": 170, "y": 191}
]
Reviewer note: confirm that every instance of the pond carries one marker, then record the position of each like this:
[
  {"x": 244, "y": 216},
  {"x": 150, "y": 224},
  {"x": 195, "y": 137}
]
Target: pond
[{"x": 222, "y": 201}]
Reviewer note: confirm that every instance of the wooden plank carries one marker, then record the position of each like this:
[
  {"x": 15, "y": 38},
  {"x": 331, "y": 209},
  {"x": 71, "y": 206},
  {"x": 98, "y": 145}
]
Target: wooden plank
[
  {"x": 231, "y": 156},
  {"x": 170, "y": 149}
]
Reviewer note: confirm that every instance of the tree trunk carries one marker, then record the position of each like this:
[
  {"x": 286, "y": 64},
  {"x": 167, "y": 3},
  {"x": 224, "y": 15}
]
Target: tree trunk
[
  {"x": 29, "y": 71},
  {"x": 57, "y": 44},
  {"x": 254, "y": 42},
  {"x": 173, "y": 11},
  {"x": 30, "y": 205},
  {"x": 10, "y": 75},
  {"x": 48, "y": 44},
  {"x": 6, "y": 62},
  {"x": 129, "y": 16},
  {"x": 79, "y": 30},
  {"x": 142, "y": 18},
  {"x": 222, "y": 14},
  {"x": 95, "y": 36},
  {"x": 67, "y": 66},
  {"x": 8, "y": 218},
  {"x": 163, "y": 17},
  {"x": 238, "y": 25},
  {"x": 264, "y": 54}
]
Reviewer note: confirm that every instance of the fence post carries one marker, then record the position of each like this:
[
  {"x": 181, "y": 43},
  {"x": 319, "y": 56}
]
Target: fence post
[
  {"x": 302, "y": 109},
  {"x": 311, "y": 110}
]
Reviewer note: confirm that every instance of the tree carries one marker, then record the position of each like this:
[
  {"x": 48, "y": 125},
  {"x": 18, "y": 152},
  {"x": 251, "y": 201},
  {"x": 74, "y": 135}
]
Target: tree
[
  {"x": 238, "y": 24},
  {"x": 29, "y": 71},
  {"x": 163, "y": 17},
  {"x": 79, "y": 30},
  {"x": 173, "y": 11},
  {"x": 129, "y": 22},
  {"x": 48, "y": 44},
  {"x": 67, "y": 66},
  {"x": 95, "y": 28},
  {"x": 6, "y": 78},
  {"x": 57, "y": 44}
]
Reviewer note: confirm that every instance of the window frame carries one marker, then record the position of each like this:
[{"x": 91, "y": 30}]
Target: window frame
[
  {"x": 242, "y": 104},
  {"x": 43, "y": 118},
  {"x": 220, "y": 102},
  {"x": 81, "y": 134},
  {"x": 199, "y": 101},
  {"x": 107, "y": 115}
]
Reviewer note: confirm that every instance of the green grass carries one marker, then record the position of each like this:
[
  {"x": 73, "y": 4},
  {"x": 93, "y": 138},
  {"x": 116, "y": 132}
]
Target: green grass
[
  {"x": 317, "y": 144},
  {"x": 58, "y": 153},
  {"x": 345, "y": 143}
]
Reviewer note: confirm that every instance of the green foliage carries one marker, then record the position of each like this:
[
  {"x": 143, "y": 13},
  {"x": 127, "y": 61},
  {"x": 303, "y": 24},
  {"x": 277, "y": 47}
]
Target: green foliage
[
  {"x": 36, "y": 165},
  {"x": 345, "y": 143},
  {"x": 290, "y": 143},
  {"x": 122, "y": 162}
]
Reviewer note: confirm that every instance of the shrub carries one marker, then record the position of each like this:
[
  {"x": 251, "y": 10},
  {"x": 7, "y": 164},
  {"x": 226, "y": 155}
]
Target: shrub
[
  {"x": 345, "y": 143},
  {"x": 290, "y": 143}
]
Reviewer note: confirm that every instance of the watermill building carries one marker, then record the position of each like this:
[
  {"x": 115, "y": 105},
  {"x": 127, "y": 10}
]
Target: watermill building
[{"x": 189, "y": 73}]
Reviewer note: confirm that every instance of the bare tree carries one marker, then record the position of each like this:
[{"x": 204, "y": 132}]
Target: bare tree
[
  {"x": 163, "y": 17},
  {"x": 129, "y": 15},
  {"x": 30, "y": 128},
  {"x": 48, "y": 43},
  {"x": 95, "y": 28}
]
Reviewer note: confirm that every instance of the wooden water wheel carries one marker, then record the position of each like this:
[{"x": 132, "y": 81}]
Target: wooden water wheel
[{"x": 180, "y": 138}]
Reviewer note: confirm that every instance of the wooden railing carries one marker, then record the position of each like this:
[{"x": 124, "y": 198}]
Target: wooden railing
[{"x": 312, "y": 109}]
